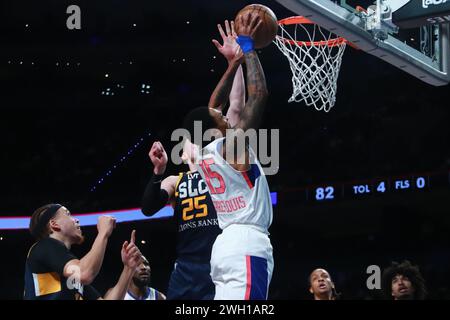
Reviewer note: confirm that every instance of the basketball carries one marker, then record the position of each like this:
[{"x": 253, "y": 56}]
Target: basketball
[{"x": 267, "y": 31}]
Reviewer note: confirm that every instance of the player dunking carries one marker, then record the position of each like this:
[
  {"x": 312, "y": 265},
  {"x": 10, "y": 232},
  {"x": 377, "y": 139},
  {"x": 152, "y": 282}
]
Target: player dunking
[
  {"x": 241, "y": 259},
  {"x": 194, "y": 212}
]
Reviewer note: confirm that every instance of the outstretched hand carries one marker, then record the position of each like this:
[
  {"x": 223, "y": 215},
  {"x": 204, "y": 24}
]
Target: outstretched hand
[
  {"x": 229, "y": 49},
  {"x": 131, "y": 255}
]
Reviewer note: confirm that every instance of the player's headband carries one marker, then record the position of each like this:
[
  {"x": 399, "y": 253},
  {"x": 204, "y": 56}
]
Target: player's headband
[{"x": 45, "y": 218}]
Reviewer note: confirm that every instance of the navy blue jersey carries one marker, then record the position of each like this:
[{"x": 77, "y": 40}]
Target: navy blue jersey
[
  {"x": 196, "y": 218},
  {"x": 44, "y": 274}
]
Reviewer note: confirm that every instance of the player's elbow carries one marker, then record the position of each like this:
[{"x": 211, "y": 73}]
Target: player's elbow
[
  {"x": 76, "y": 269},
  {"x": 87, "y": 277},
  {"x": 148, "y": 210}
]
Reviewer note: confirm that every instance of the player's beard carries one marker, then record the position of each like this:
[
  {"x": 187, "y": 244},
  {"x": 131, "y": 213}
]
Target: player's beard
[
  {"x": 141, "y": 283},
  {"x": 406, "y": 296}
]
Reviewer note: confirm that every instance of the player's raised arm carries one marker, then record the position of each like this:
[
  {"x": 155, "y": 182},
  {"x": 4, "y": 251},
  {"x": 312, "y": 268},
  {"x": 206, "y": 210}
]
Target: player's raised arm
[
  {"x": 131, "y": 258},
  {"x": 158, "y": 191},
  {"x": 237, "y": 98},
  {"x": 231, "y": 51},
  {"x": 237, "y": 94},
  {"x": 91, "y": 263},
  {"x": 256, "y": 82}
]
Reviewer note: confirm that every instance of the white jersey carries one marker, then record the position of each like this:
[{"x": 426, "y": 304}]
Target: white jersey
[
  {"x": 151, "y": 294},
  {"x": 238, "y": 197}
]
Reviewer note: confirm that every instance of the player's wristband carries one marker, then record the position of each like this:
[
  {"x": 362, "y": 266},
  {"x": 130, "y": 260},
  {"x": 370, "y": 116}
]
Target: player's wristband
[{"x": 246, "y": 43}]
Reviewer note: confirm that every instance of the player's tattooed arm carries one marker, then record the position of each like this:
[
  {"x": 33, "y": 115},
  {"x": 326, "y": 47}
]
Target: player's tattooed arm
[{"x": 252, "y": 114}]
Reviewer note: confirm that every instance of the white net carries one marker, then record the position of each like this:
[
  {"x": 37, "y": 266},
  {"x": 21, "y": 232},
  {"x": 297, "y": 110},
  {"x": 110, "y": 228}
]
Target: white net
[{"x": 315, "y": 62}]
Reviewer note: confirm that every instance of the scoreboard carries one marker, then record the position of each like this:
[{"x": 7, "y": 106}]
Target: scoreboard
[{"x": 376, "y": 187}]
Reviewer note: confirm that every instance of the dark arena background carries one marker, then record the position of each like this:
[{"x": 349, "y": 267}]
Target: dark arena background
[{"x": 81, "y": 108}]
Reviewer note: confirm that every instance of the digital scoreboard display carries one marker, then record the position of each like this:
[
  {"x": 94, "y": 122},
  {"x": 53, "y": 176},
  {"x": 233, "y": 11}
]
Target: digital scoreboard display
[{"x": 376, "y": 187}]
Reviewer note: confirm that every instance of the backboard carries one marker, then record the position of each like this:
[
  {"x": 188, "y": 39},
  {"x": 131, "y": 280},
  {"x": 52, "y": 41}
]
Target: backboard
[{"x": 412, "y": 35}]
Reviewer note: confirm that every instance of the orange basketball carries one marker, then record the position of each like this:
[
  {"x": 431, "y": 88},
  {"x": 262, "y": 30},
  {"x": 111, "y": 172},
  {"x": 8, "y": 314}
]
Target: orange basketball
[{"x": 267, "y": 30}]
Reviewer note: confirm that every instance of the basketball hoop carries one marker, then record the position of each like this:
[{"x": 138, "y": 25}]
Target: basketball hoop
[{"x": 315, "y": 56}]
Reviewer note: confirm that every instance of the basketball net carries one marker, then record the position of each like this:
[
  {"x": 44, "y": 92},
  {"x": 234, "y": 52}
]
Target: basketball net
[{"x": 315, "y": 56}]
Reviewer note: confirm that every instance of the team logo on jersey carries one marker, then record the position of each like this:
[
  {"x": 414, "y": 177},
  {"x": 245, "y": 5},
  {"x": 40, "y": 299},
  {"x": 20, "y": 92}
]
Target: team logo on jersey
[{"x": 189, "y": 188}]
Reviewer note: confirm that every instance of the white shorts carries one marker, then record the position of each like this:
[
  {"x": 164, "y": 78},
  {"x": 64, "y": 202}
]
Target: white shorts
[{"x": 242, "y": 263}]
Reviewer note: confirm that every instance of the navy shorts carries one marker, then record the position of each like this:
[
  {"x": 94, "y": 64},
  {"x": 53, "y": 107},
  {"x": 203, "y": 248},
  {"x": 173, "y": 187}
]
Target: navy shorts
[{"x": 191, "y": 281}]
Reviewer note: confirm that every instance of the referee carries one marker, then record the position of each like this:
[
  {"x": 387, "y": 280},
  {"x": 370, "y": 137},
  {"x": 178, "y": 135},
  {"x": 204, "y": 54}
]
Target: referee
[{"x": 52, "y": 272}]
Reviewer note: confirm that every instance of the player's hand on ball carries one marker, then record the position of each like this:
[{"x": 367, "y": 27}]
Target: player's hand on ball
[
  {"x": 131, "y": 255},
  {"x": 249, "y": 24},
  {"x": 158, "y": 156}
]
